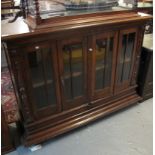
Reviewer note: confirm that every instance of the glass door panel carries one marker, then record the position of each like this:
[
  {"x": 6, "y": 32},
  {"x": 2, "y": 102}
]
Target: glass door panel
[
  {"x": 125, "y": 61},
  {"x": 43, "y": 79},
  {"x": 126, "y": 53},
  {"x": 73, "y": 72},
  {"x": 104, "y": 48},
  {"x": 104, "y": 62}
]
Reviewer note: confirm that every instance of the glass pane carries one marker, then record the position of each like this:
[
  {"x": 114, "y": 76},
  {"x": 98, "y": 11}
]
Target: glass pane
[
  {"x": 121, "y": 59},
  {"x": 73, "y": 71},
  {"x": 128, "y": 56},
  {"x": 41, "y": 70},
  {"x": 125, "y": 61},
  {"x": 104, "y": 48}
]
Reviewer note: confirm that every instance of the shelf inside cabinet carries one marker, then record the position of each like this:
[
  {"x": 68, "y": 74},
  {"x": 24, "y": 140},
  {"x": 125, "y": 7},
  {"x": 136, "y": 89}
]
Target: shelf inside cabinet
[
  {"x": 125, "y": 61},
  {"x": 39, "y": 84},
  {"x": 75, "y": 74}
]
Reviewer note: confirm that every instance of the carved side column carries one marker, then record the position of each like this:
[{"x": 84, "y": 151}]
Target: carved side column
[{"x": 17, "y": 70}]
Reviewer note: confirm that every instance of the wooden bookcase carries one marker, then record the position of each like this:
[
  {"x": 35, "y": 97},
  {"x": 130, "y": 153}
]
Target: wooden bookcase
[{"x": 68, "y": 75}]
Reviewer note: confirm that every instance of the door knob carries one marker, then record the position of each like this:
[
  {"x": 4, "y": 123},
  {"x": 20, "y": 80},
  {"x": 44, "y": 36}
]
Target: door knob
[
  {"x": 37, "y": 47},
  {"x": 90, "y": 49}
]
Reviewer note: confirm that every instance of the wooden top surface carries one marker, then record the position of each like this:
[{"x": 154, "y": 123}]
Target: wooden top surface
[
  {"x": 16, "y": 28},
  {"x": 20, "y": 29}
]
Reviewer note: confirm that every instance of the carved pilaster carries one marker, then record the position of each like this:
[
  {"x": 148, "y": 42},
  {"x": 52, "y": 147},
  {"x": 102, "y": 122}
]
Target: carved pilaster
[{"x": 17, "y": 62}]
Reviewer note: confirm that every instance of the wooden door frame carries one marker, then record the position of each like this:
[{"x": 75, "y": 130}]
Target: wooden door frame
[
  {"x": 83, "y": 99},
  {"x": 122, "y": 86},
  {"x": 48, "y": 110},
  {"x": 108, "y": 91}
]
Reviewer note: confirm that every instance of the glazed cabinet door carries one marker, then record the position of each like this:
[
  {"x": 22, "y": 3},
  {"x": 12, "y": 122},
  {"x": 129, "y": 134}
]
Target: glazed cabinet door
[
  {"x": 103, "y": 53},
  {"x": 42, "y": 75},
  {"x": 73, "y": 71},
  {"x": 126, "y": 58}
]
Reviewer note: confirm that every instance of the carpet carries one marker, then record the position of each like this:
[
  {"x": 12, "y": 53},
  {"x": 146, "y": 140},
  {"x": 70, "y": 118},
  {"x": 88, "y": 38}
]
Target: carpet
[{"x": 8, "y": 99}]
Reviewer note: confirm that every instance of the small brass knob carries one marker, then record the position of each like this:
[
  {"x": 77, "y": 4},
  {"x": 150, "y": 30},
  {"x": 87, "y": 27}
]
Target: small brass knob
[
  {"x": 37, "y": 47},
  {"x": 90, "y": 49}
]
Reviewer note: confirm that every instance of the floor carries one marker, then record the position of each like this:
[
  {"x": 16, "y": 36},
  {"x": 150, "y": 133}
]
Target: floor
[{"x": 127, "y": 132}]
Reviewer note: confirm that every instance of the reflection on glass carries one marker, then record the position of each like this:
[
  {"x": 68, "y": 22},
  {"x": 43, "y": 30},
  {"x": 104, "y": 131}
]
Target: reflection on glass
[
  {"x": 73, "y": 71},
  {"x": 104, "y": 48},
  {"x": 41, "y": 70},
  {"x": 126, "y": 57},
  {"x": 121, "y": 61}
]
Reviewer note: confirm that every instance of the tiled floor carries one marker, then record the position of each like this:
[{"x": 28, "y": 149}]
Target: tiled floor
[{"x": 128, "y": 132}]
